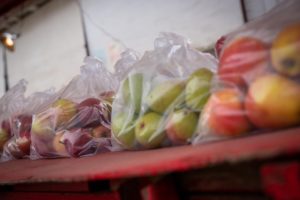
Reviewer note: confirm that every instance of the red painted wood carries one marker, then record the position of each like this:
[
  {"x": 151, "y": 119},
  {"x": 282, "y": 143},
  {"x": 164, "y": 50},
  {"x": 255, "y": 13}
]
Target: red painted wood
[
  {"x": 151, "y": 162},
  {"x": 282, "y": 181},
  {"x": 58, "y": 196}
]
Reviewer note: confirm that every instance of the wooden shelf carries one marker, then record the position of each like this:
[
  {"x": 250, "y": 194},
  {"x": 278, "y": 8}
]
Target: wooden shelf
[{"x": 118, "y": 165}]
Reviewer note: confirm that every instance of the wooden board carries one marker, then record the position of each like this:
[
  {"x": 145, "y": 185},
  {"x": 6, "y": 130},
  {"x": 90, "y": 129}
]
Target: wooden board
[{"x": 118, "y": 165}]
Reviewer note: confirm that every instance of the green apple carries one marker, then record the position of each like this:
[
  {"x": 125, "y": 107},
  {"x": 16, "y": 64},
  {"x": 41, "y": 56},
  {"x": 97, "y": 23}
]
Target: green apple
[
  {"x": 147, "y": 130},
  {"x": 197, "y": 89},
  {"x": 66, "y": 110},
  {"x": 5, "y": 133},
  {"x": 43, "y": 125},
  {"x": 123, "y": 130},
  {"x": 132, "y": 91},
  {"x": 163, "y": 95},
  {"x": 181, "y": 125}
]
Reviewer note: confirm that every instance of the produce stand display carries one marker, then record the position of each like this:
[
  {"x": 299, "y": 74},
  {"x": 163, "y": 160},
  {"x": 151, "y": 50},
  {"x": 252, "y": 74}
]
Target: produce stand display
[
  {"x": 175, "y": 123},
  {"x": 255, "y": 167}
]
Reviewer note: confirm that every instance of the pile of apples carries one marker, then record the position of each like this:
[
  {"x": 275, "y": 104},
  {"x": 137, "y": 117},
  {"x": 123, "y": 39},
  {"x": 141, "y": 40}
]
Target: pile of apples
[
  {"x": 261, "y": 85},
  {"x": 157, "y": 114},
  {"x": 67, "y": 128},
  {"x": 19, "y": 145}
]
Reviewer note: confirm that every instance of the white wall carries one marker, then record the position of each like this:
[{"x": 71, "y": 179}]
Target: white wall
[
  {"x": 137, "y": 23},
  {"x": 256, "y": 8},
  {"x": 50, "y": 49}
]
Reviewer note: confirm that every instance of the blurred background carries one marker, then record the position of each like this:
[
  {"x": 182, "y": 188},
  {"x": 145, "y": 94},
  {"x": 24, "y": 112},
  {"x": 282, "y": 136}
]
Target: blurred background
[{"x": 48, "y": 39}]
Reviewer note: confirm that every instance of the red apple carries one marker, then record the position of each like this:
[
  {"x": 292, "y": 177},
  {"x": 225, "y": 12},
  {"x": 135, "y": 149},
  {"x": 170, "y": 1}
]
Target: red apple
[
  {"x": 78, "y": 142},
  {"x": 17, "y": 148},
  {"x": 224, "y": 113},
  {"x": 88, "y": 102},
  {"x": 273, "y": 101},
  {"x": 23, "y": 144},
  {"x": 22, "y": 125},
  {"x": 242, "y": 60}
]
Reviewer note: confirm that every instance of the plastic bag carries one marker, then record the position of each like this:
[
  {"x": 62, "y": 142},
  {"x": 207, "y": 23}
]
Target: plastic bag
[
  {"x": 259, "y": 77},
  {"x": 159, "y": 101},
  {"x": 10, "y": 104},
  {"x": 78, "y": 122},
  {"x": 19, "y": 145}
]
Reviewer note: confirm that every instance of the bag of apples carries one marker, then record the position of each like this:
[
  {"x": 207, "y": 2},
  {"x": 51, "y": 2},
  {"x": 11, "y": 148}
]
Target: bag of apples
[
  {"x": 77, "y": 123},
  {"x": 259, "y": 74},
  {"x": 19, "y": 145},
  {"x": 10, "y": 104},
  {"x": 159, "y": 101}
]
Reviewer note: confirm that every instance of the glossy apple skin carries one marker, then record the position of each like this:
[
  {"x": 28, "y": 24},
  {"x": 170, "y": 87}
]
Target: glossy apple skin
[
  {"x": 273, "y": 102},
  {"x": 224, "y": 113},
  {"x": 243, "y": 60}
]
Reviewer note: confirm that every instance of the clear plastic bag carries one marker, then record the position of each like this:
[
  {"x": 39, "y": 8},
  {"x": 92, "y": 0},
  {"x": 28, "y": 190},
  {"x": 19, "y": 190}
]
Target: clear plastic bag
[
  {"x": 19, "y": 145},
  {"x": 159, "y": 101},
  {"x": 77, "y": 123},
  {"x": 10, "y": 105},
  {"x": 258, "y": 77}
]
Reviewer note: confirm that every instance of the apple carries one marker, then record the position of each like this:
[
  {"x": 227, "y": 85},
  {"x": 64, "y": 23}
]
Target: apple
[
  {"x": 132, "y": 91},
  {"x": 22, "y": 125},
  {"x": 163, "y": 95},
  {"x": 148, "y": 132},
  {"x": 181, "y": 125},
  {"x": 5, "y": 133},
  {"x": 42, "y": 148},
  {"x": 197, "y": 89},
  {"x": 101, "y": 132},
  {"x": 88, "y": 115},
  {"x": 66, "y": 110},
  {"x": 88, "y": 102},
  {"x": 58, "y": 144},
  {"x": 224, "y": 113},
  {"x": 242, "y": 60},
  {"x": 273, "y": 101},
  {"x": 44, "y": 124},
  {"x": 12, "y": 151},
  {"x": 23, "y": 144},
  {"x": 123, "y": 130},
  {"x": 285, "y": 51},
  {"x": 79, "y": 142}
]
